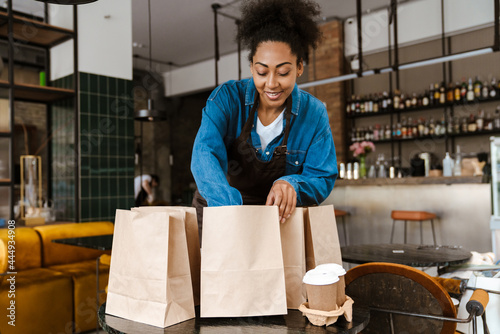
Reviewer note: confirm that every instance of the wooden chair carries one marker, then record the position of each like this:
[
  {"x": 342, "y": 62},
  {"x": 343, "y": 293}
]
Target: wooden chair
[{"x": 403, "y": 299}]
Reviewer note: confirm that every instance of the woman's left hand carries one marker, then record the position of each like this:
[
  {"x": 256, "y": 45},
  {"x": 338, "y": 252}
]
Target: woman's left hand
[{"x": 284, "y": 196}]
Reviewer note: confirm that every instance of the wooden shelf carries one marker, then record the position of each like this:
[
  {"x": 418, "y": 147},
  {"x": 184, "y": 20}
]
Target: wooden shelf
[
  {"x": 34, "y": 32},
  {"x": 422, "y": 108},
  {"x": 35, "y": 93}
]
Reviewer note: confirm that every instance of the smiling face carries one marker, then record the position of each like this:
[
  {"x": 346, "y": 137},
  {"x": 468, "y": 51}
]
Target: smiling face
[{"x": 274, "y": 70}]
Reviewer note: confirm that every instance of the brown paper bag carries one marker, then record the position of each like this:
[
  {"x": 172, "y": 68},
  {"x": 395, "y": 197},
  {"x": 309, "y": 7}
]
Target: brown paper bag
[
  {"x": 294, "y": 258},
  {"x": 149, "y": 276},
  {"x": 242, "y": 270},
  {"x": 193, "y": 241},
  {"x": 322, "y": 239}
]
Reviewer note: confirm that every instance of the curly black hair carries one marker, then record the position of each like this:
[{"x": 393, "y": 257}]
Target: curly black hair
[{"x": 288, "y": 21}]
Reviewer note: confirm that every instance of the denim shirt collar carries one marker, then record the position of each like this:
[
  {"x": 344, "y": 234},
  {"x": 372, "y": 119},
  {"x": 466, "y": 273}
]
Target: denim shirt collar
[{"x": 250, "y": 96}]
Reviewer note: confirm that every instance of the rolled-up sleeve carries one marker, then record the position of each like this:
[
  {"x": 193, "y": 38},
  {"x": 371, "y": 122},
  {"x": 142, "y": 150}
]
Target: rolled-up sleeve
[
  {"x": 319, "y": 170},
  {"x": 209, "y": 158}
]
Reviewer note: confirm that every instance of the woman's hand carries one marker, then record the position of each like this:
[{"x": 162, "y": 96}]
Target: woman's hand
[{"x": 284, "y": 196}]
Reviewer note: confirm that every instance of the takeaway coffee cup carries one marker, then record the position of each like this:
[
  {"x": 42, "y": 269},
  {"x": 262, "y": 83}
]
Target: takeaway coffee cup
[
  {"x": 321, "y": 289},
  {"x": 340, "y": 272}
]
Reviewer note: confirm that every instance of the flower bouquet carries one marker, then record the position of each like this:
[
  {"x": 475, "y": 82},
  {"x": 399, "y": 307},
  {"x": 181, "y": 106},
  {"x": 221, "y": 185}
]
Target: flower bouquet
[{"x": 361, "y": 149}]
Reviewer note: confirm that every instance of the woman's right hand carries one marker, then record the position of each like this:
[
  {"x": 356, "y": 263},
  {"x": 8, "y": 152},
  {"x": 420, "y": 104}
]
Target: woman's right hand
[{"x": 284, "y": 196}]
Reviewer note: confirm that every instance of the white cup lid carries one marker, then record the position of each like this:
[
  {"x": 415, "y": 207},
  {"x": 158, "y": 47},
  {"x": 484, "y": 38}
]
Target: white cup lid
[
  {"x": 336, "y": 268},
  {"x": 316, "y": 277}
]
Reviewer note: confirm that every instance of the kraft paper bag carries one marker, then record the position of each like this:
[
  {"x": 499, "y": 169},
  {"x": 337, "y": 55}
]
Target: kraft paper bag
[
  {"x": 149, "y": 276},
  {"x": 242, "y": 271},
  {"x": 294, "y": 258},
  {"x": 322, "y": 239},
  {"x": 193, "y": 241}
]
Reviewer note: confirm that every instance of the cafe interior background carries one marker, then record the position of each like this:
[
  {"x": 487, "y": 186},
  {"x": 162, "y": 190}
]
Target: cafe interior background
[
  {"x": 90, "y": 147},
  {"x": 71, "y": 142}
]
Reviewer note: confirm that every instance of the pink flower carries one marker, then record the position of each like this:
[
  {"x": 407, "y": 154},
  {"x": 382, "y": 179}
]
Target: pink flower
[{"x": 362, "y": 148}]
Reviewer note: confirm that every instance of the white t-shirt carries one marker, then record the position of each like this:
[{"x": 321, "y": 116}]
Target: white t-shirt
[
  {"x": 269, "y": 132},
  {"x": 137, "y": 183}
]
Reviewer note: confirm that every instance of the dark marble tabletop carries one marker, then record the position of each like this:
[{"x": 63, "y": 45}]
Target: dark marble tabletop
[
  {"x": 407, "y": 254},
  {"x": 293, "y": 322},
  {"x": 100, "y": 242}
]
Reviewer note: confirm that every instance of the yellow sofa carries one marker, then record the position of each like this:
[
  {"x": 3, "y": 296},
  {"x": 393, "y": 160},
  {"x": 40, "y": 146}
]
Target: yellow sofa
[{"x": 53, "y": 289}]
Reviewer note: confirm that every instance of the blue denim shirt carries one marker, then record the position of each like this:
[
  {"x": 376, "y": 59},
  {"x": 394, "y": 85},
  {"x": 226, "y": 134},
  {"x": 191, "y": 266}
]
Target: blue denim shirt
[{"x": 311, "y": 166}]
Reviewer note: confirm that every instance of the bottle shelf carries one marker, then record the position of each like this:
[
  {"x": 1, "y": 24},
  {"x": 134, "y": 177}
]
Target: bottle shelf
[
  {"x": 436, "y": 137},
  {"x": 423, "y": 108},
  {"x": 35, "y": 93},
  {"x": 34, "y": 32}
]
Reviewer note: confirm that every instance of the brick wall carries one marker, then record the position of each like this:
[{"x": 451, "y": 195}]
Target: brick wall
[{"x": 325, "y": 62}]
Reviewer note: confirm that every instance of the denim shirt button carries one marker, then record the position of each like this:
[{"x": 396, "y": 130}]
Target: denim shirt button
[
  {"x": 296, "y": 162},
  {"x": 267, "y": 153}
]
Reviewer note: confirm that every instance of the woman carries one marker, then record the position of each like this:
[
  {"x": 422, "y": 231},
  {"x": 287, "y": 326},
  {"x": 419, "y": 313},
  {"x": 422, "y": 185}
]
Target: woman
[{"x": 263, "y": 140}]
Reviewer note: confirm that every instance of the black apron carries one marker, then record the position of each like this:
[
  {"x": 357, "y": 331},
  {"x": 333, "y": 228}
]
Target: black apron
[{"x": 246, "y": 172}]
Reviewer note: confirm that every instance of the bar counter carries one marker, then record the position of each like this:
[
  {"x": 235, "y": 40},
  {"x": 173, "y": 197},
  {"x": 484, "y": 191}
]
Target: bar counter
[
  {"x": 409, "y": 180},
  {"x": 462, "y": 204}
]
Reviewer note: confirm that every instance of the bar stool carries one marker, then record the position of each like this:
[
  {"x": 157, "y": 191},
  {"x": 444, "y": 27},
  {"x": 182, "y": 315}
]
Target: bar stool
[
  {"x": 419, "y": 216},
  {"x": 342, "y": 214}
]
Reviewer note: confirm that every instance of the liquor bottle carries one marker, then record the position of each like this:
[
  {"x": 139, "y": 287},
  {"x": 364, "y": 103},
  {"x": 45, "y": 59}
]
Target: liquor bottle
[
  {"x": 407, "y": 102},
  {"x": 414, "y": 100},
  {"x": 397, "y": 99},
  {"x": 485, "y": 91},
  {"x": 409, "y": 128},
  {"x": 398, "y": 131},
  {"x": 432, "y": 127},
  {"x": 404, "y": 128},
  {"x": 442, "y": 94},
  {"x": 488, "y": 122},
  {"x": 450, "y": 93},
  {"x": 357, "y": 105},
  {"x": 375, "y": 103},
  {"x": 376, "y": 132},
  {"x": 370, "y": 103},
  {"x": 348, "y": 108},
  {"x": 447, "y": 165},
  {"x": 478, "y": 86},
  {"x": 480, "y": 120},
  {"x": 449, "y": 126},
  {"x": 421, "y": 127},
  {"x": 384, "y": 101},
  {"x": 493, "y": 88},
  {"x": 362, "y": 105},
  {"x": 414, "y": 132},
  {"x": 471, "y": 125},
  {"x": 464, "y": 126},
  {"x": 457, "y": 93},
  {"x": 456, "y": 125},
  {"x": 470, "y": 91},
  {"x": 431, "y": 94},
  {"x": 463, "y": 90},
  {"x": 353, "y": 104},
  {"x": 387, "y": 132},
  {"x": 389, "y": 102},
  {"x": 442, "y": 132},
  {"x": 437, "y": 94},
  {"x": 425, "y": 99},
  {"x": 496, "y": 124}
]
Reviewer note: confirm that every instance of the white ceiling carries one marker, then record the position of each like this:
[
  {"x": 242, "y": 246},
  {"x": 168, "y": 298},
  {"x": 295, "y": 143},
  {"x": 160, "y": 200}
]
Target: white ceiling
[{"x": 183, "y": 30}]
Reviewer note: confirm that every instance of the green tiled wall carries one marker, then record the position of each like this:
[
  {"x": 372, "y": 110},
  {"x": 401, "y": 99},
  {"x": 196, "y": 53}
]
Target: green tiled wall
[{"x": 107, "y": 146}]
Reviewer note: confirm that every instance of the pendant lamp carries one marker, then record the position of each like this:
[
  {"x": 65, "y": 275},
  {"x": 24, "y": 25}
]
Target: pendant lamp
[
  {"x": 67, "y": 2},
  {"x": 150, "y": 114}
]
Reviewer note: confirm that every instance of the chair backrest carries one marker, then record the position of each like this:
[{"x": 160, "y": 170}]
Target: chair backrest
[{"x": 402, "y": 288}]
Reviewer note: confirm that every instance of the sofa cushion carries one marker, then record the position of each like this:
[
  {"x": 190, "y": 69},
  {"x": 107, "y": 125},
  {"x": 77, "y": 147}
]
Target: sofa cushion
[
  {"x": 43, "y": 302},
  {"x": 55, "y": 254},
  {"x": 27, "y": 249},
  {"x": 84, "y": 291}
]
